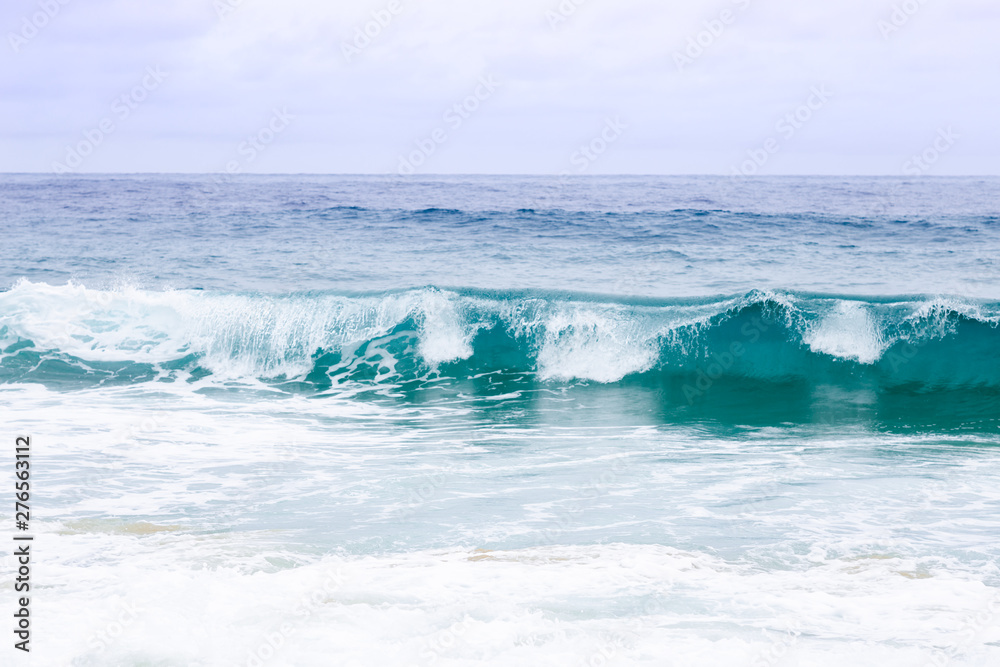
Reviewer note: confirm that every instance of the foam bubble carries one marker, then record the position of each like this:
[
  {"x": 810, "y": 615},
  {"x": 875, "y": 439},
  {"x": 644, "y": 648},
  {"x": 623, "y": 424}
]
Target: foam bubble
[
  {"x": 585, "y": 344},
  {"x": 445, "y": 336},
  {"x": 847, "y": 332},
  {"x": 546, "y": 605}
]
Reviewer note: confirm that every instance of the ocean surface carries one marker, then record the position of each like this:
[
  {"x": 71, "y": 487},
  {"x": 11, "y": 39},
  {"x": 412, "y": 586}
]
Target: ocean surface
[{"x": 365, "y": 421}]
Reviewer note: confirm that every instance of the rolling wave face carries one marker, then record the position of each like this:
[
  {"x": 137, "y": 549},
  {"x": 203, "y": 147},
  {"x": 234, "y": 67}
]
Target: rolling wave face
[{"x": 71, "y": 336}]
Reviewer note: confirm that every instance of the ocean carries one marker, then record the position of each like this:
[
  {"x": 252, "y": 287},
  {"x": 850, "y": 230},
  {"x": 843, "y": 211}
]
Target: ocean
[{"x": 464, "y": 420}]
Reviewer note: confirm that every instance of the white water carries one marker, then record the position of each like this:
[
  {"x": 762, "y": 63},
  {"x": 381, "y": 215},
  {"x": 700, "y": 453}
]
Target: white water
[{"x": 172, "y": 530}]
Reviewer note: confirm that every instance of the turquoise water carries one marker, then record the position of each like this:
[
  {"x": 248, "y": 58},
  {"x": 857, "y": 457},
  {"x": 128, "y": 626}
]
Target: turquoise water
[{"x": 464, "y": 420}]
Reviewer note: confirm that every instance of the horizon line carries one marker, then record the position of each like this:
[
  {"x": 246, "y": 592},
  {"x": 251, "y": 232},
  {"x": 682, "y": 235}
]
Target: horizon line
[{"x": 488, "y": 174}]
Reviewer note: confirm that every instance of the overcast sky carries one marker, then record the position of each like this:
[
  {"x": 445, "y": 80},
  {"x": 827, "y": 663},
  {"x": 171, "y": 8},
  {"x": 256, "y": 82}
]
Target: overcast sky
[{"x": 646, "y": 86}]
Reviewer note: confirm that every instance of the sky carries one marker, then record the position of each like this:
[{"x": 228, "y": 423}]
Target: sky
[{"x": 749, "y": 87}]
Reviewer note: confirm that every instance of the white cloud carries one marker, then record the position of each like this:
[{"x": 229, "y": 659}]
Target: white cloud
[{"x": 559, "y": 84}]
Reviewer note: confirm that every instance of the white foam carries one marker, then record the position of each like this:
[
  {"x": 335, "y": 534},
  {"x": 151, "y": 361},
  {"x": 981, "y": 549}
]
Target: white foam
[
  {"x": 584, "y": 343},
  {"x": 223, "y": 530},
  {"x": 546, "y": 605},
  {"x": 847, "y": 332},
  {"x": 445, "y": 336},
  {"x": 935, "y": 319},
  {"x": 237, "y": 335}
]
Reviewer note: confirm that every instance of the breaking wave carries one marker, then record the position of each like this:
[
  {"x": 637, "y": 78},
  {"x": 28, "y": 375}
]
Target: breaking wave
[{"x": 73, "y": 335}]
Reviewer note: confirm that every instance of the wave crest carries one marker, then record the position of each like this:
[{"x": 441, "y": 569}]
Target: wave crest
[{"x": 73, "y": 333}]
